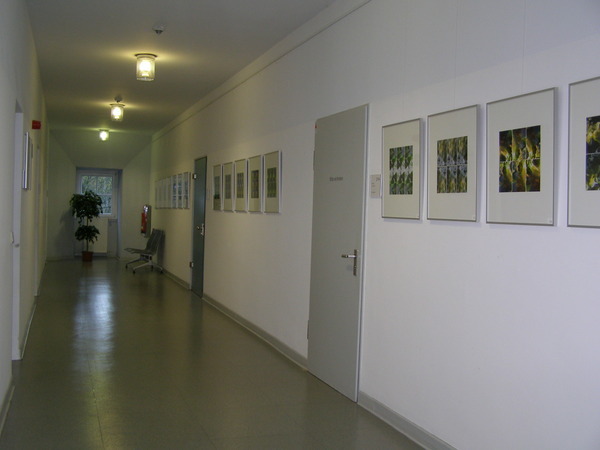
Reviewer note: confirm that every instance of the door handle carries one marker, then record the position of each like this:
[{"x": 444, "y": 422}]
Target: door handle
[{"x": 354, "y": 257}]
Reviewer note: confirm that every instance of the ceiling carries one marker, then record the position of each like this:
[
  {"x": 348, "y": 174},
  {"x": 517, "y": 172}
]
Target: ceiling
[{"x": 86, "y": 55}]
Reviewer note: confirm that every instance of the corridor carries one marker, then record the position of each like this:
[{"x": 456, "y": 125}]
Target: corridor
[{"x": 122, "y": 361}]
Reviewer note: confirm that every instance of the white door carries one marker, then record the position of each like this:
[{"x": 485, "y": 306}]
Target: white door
[
  {"x": 21, "y": 142},
  {"x": 337, "y": 248}
]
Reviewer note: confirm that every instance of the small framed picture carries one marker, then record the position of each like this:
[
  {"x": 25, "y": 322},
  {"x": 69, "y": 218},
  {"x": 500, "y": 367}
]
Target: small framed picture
[
  {"x": 186, "y": 190},
  {"x": 165, "y": 192},
  {"x": 240, "y": 185},
  {"x": 402, "y": 170},
  {"x": 255, "y": 176},
  {"x": 174, "y": 191},
  {"x": 520, "y": 159},
  {"x": 217, "y": 187},
  {"x": 228, "y": 187},
  {"x": 26, "y": 164},
  {"x": 584, "y": 153},
  {"x": 272, "y": 181},
  {"x": 452, "y": 165}
]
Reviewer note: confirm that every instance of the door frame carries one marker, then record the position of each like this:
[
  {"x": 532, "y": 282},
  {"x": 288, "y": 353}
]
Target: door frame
[
  {"x": 200, "y": 191},
  {"x": 20, "y": 141}
]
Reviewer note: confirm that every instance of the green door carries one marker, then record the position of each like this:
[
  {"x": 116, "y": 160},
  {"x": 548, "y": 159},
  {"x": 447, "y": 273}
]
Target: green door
[{"x": 199, "y": 231}]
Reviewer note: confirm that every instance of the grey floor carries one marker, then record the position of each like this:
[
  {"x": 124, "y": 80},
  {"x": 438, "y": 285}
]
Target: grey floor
[{"x": 122, "y": 361}]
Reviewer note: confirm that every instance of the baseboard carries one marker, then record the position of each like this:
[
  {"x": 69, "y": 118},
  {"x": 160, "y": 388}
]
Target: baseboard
[
  {"x": 177, "y": 280},
  {"x": 26, "y": 336},
  {"x": 6, "y": 405},
  {"x": 286, "y": 351},
  {"x": 405, "y": 426},
  {"x": 59, "y": 258}
]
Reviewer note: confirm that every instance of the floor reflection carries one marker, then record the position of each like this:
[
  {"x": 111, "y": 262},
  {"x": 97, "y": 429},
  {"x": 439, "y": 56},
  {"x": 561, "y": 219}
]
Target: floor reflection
[{"x": 122, "y": 361}]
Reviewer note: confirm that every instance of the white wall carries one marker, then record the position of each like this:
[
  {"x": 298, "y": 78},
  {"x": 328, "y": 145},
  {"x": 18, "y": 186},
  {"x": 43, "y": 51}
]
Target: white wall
[
  {"x": 7, "y": 114},
  {"x": 61, "y": 186},
  {"x": 135, "y": 194},
  {"x": 483, "y": 335},
  {"x": 19, "y": 84},
  {"x": 484, "y": 330}
]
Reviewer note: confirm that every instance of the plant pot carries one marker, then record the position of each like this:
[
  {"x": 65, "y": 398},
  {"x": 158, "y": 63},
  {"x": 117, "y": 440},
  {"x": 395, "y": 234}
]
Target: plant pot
[{"x": 86, "y": 256}]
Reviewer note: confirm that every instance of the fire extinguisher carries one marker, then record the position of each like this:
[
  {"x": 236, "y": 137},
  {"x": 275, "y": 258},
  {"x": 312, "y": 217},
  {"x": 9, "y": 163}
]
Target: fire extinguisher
[{"x": 145, "y": 220}]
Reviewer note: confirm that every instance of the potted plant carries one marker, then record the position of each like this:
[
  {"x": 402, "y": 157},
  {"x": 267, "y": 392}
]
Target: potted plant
[{"x": 86, "y": 207}]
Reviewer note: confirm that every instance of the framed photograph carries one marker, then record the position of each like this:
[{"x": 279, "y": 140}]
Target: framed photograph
[
  {"x": 158, "y": 194},
  {"x": 452, "y": 165},
  {"x": 160, "y": 201},
  {"x": 167, "y": 192},
  {"x": 240, "y": 184},
  {"x": 174, "y": 185},
  {"x": 186, "y": 190},
  {"x": 217, "y": 187},
  {"x": 26, "y": 163},
  {"x": 255, "y": 176},
  {"x": 228, "y": 187},
  {"x": 584, "y": 154},
  {"x": 180, "y": 204},
  {"x": 272, "y": 181},
  {"x": 164, "y": 192},
  {"x": 402, "y": 170},
  {"x": 520, "y": 159}
]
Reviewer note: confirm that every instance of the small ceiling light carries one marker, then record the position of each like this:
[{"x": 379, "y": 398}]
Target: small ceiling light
[
  {"x": 145, "y": 66},
  {"x": 117, "y": 109},
  {"x": 104, "y": 135}
]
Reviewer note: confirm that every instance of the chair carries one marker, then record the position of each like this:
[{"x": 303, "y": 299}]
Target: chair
[{"x": 145, "y": 254}]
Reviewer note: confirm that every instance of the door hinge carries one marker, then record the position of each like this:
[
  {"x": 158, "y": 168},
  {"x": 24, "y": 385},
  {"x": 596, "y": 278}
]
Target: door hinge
[
  {"x": 307, "y": 330},
  {"x": 191, "y": 264},
  {"x": 194, "y": 176}
]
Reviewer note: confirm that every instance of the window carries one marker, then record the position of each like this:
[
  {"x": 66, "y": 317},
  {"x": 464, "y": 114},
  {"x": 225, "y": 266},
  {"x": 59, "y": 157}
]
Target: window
[{"x": 103, "y": 183}]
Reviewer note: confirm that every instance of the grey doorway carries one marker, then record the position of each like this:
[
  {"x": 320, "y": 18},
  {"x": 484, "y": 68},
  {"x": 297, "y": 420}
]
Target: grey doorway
[{"x": 199, "y": 226}]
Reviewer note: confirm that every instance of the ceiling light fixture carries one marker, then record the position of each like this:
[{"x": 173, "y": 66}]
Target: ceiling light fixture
[
  {"x": 145, "y": 66},
  {"x": 117, "y": 109},
  {"x": 103, "y": 135}
]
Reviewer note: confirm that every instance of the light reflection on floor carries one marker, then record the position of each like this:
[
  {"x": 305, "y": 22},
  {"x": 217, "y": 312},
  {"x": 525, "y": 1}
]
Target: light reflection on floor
[{"x": 122, "y": 361}]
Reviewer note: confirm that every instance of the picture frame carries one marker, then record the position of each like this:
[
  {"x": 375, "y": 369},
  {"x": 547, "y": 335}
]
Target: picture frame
[
  {"x": 241, "y": 170},
  {"x": 520, "y": 159},
  {"x": 402, "y": 170},
  {"x": 452, "y": 165},
  {"x": 167, "y": 192},
  {"x": 156, "y": 195},
  {"x": 217, "y": 187},
  {"x": 158, "y": 190},
  {"x": 180, "y": 188},
  {"x": 255, "y": 183},
  {"x": 164, "y": 193},
  {"x": 272, "y": 182},
  {"x": 26, "y": 162},
  {"x": 186, "y": 190},
  {"x": 228, "y": 187},
  {"x": 159, "y": 201},
  {"x": 584, "y": 154},
  {"x": 174, "y": 190}
]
